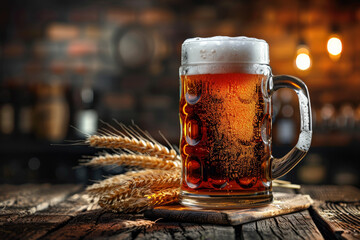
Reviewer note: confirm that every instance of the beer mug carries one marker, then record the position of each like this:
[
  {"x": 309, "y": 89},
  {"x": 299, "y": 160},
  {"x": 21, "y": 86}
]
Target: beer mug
[{"x": 226, "y": 86}]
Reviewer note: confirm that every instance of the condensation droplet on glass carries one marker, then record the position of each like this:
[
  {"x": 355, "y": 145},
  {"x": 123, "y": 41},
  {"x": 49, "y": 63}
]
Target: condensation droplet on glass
[
  {"x": 193, "y": 132},
  {"x": 266, "y": 184},
  {"x": 246, "y": 182},
  {"x": 218, "y": 183},
  {"x": 215, "y": 178},
  {"x": 304, "y": 140},
  {"x": 266, "y": 129},
  {"x": 193, "y": 91},
  {"x": 303, "y": 101},
  {"x": 193, "y": 172}
]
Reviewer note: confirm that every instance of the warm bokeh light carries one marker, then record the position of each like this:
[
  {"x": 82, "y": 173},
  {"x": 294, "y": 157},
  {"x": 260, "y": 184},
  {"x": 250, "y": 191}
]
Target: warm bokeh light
[
  {"x": 334, "y": 46},
  {"x": 303, "y": 60}
]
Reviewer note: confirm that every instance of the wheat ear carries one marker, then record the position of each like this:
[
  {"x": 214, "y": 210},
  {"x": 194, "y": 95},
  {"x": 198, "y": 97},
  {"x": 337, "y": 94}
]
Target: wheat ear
[
  {"x": 106, "y": 184},
  {"x": 135, "y": 204},
  {"x": 152, "y": 182},
  {"x": 135, "y": 160},
  {"x": 133, "y": 144},
  {"x": 132, "y": 139},
  {"x": 122, "y": 184},
  {"x": 138, "y": 224}
]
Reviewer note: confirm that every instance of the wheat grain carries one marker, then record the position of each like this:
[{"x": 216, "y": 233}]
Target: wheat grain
[
  {"x": 134, "y": 204},
  {"x": 140, "y": 223},
  {"x": 135, "y": 191},
  {"x": 120, "y": 185},
  {"x": 135, "y": 160},
  {"x": 141, "y": 186},
  {"x": 104, "y": 185},
  {"x": 133, "y": 144},
  {"x": 164, "y": 197},
  {"x": 124, "y": 205}
]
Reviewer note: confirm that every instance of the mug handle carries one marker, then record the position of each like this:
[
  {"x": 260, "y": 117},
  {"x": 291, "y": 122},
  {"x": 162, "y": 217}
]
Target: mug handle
[{"x": 280, "y": 166}]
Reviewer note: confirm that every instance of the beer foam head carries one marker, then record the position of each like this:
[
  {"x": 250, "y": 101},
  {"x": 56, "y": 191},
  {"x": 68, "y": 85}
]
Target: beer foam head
[{"x": 224, "y": 50}]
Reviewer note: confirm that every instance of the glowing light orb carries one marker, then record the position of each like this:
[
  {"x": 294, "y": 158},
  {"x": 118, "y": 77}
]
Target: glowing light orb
[
  {"x": 334, "y": 46},
  {"x": 303, "y": 61}
]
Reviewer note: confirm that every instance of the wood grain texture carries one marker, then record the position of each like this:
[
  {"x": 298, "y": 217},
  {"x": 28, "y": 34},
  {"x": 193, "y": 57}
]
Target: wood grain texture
[
  {"x": 30, "y": 199},
  {"x": 65, "y": 212},
  {"x": 336, "y": 210},
  {"x": 114, "y": 224},
  {"x": 8, "y": 191},
  {"x": 96, "y": 223},
  {"x": 99, "y": 224},
  {"x": 77, "y": 227},
  {"x": 332, "y": 193},
  {"x": 42, "y": 222},
  {"x": 298, "y": 225},
  {"x": 283, "y": 203},
  {"x": 186, "y": 231},
  {"x": 339, "y": 219}
]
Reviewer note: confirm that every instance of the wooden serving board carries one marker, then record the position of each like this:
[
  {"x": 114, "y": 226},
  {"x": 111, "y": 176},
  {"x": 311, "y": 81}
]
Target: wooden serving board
[{"x": 283, "y": 203}]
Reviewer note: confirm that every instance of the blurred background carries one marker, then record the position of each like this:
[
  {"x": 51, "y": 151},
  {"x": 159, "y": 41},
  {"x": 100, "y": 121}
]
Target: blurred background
[{"x": 75, "y": 63}]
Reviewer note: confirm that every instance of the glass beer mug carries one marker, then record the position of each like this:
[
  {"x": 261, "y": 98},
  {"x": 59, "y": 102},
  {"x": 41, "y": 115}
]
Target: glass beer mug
[{"x": 225, "y": 116}]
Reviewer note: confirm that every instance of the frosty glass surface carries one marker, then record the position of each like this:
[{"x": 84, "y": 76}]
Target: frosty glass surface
[{"x": 225, "y": 115}]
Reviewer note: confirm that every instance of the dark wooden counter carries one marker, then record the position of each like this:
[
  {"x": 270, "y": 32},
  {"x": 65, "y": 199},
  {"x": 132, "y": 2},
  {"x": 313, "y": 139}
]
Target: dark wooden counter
[{"x": 64, "y": 212}]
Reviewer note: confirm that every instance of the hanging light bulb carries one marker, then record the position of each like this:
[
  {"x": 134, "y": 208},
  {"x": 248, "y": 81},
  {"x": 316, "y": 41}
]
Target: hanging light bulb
[
  {"x": 334, "y": 47},
  {"x": 303, "y": 58}
]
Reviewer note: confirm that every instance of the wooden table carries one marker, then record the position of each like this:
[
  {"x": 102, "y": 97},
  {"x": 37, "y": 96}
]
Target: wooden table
[{"x": 63, "y": 212}]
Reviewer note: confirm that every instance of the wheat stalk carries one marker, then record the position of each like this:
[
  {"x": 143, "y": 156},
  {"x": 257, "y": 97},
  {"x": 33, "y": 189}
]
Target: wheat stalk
[
  {"x": 138, "y": 224},
  {"x": 134, "y": 140},
  {"x": 137, "y": 145},
  {"x": 104, "y": 185},
  {"x": 121, "y": 185},
  {"x": 135, "y": 160},
  {"x": 139, "y": 185},
  {"x": 135, "y": 191},
  {"x": 138, "y": 204}
]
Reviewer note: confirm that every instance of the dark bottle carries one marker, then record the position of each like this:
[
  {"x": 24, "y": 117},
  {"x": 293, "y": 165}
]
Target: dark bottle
[{"x": 51, "y": 111}]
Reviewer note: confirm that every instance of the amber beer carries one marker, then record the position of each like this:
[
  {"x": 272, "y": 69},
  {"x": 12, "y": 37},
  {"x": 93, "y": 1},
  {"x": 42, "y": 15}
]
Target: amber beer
[
  {"x": 225, "y": 114},
  {"x": 221, "y": 144}
]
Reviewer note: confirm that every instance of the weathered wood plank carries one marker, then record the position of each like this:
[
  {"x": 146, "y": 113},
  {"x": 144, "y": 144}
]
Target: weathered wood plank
[
  {"x": 7, "y": 190},
  {"x": 120, "y": 225},
  {"x": 9, "y": 193},
  {"x": 53, "y": 212},
  {"x": 332, "y": 193},
  {"x": 42, "y": 222},
  {"x": 78, "y": 227},
  {"x": 99, "y": 224},
  {"x": 32, "y": 198},
  {"x": 186, "y": 231},
  {"x": 283, "y": 203},
  {"x": 338, "y": 219},
  {"x": 336, "y": 211},
  {"x": 291, "y": 226}
]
